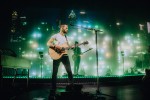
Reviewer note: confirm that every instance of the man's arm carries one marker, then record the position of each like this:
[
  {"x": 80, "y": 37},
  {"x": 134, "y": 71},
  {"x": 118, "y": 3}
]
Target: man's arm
[{"x": 50, "y": 43}]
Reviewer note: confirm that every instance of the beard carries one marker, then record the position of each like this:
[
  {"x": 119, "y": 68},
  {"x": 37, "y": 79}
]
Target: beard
[{"x": 64, "y": 31}]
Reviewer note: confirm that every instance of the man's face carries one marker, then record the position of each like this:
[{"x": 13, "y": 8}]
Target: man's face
[{"x": 65, "y": 28}]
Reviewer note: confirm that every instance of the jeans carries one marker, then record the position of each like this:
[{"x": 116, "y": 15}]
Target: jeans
[{"x": 65, "y": 60}]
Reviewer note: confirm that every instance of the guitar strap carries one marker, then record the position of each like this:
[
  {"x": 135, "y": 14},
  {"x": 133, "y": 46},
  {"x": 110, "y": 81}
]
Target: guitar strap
[{"x": 67, "y": 40}]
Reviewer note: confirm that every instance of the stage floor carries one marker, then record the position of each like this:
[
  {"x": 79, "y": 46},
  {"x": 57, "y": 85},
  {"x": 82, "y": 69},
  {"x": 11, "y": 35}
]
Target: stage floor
[
  {"x": 107, "y": 92},
  {"x": 122, "y": 88}
]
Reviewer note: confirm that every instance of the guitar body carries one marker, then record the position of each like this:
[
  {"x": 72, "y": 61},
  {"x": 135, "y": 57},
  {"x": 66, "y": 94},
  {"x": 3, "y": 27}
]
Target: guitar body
[{"x": 56, "y": 54}]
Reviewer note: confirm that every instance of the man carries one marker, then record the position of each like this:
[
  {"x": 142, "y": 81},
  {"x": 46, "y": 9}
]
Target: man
[
  {"x": 58, "y": 42},
  {"x": 76, "y": 58}
]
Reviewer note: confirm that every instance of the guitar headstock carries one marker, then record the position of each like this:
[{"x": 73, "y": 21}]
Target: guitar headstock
[{"x": 85, "y": 42}]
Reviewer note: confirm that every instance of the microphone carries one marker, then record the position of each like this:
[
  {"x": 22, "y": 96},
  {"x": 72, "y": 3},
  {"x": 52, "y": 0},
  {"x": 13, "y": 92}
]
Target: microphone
[
  {"x": 90, "y": 29},
  {"x": 93, "y": 29}
]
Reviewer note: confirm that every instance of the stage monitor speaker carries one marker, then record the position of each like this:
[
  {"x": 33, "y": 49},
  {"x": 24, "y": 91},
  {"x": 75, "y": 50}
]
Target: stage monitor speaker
[
  {"x": 75, "y": 96},
  {"x": 74, "y": 88}
]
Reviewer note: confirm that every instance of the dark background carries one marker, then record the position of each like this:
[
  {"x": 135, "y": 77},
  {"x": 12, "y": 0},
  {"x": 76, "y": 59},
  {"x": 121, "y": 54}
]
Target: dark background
[{"x": 129, "y": 11}]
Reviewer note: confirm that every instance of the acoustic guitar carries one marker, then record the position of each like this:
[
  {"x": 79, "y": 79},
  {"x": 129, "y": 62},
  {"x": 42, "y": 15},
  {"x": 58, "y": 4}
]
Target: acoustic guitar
[{"x": 56, "y": 54}]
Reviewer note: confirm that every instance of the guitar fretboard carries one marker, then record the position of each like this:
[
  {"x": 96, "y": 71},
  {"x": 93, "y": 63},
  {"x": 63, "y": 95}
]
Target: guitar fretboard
[{"x": 67, "y": 48}]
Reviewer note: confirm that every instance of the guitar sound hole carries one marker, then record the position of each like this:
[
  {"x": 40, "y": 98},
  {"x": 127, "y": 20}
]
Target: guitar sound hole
[
  {"x": 58, "y": 51},
  {"x": 63, "y": 49}
]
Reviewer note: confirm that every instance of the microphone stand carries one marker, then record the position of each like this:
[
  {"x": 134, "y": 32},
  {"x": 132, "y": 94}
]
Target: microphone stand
[
  {"x": 95, "y": 31},
  {"x": 98, "y": 93},
  {"x": 41, "y": 58}
]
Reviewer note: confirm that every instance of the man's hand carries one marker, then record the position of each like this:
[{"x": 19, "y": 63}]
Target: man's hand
[
  {"x": 58, "y": 47},
  {"x": 72, "y": 47}
]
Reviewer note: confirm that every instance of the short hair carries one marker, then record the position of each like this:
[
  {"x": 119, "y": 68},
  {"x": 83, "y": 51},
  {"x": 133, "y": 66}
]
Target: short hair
[{"x": 62, "y": 25}]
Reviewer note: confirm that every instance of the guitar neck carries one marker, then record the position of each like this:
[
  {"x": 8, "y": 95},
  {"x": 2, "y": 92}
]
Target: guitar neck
[
  {"x": 87, "y": 50},
  {"x": 79, "y": 44},
  {"x": 67, "y": 48}
]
